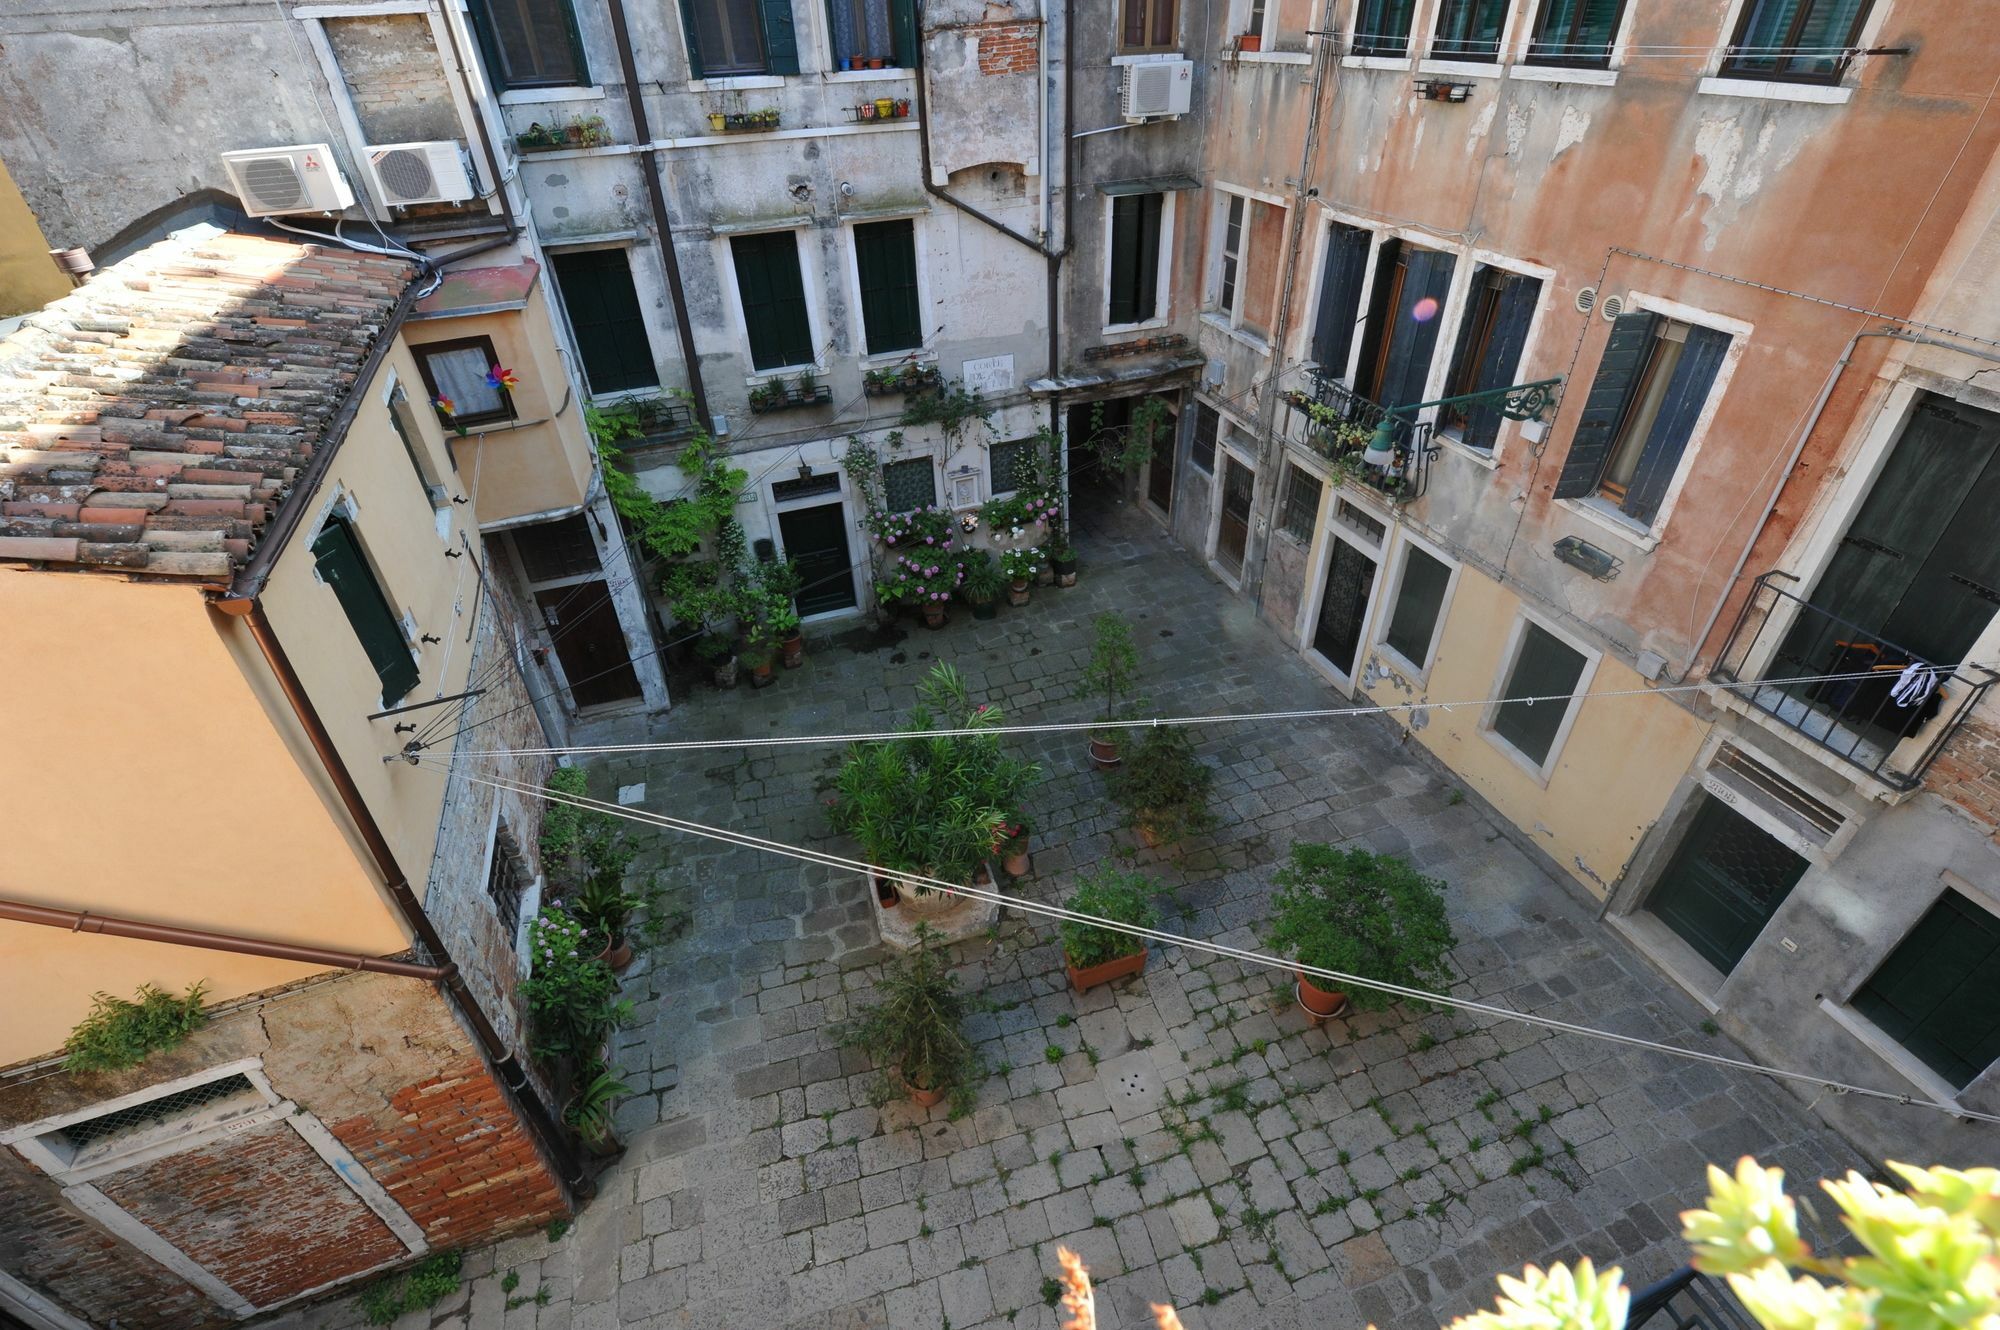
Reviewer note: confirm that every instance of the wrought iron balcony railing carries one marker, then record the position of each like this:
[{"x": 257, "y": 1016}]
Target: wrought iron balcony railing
[
  {"x": 1687, "y": 1300},
  {"x": 1338, "y": 422},
  {"x": 1871, "y": 702}
]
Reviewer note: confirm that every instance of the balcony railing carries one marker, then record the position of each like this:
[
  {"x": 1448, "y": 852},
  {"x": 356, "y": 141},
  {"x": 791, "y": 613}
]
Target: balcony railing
[
  {"x": 1687, "y": 1300},
  {"x": 1338, "y": 423},
  {"x": 1871, "y": 702}
]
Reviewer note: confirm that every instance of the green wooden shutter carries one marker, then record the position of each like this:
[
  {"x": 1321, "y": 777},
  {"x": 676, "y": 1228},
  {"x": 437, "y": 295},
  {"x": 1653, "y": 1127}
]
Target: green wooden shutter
[
  {"x": 604, "y": 313},
  {"x": 885, "y": 254},
  {"x": 774, "y": 301},
  {"x": 903, "y": 33},
  {"x": 1934, "y": 994},
  {"x": 338, "y": 556},
  {"x": 1503, "y": 356},
  {"x": 1617, "y": 374},
  {"x": 1686, "y": 395},
  {"x": 692, "y": 34},
  {"x": 1412, "y": 343},
  {"x": 781, "y": 50},
  {"x": 1339, "y": 297}
]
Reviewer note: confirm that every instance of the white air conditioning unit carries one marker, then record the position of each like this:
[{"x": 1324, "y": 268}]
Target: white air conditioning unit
[
  {"x": 275, "y": 181},
  {"x": 1157, "y": 88},
  {"x": 407, "y": 173}
]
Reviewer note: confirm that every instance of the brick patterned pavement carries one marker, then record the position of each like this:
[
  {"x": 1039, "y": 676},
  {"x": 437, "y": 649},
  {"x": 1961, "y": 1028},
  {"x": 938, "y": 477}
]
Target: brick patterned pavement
[{"x": 1186, "y": 1131}]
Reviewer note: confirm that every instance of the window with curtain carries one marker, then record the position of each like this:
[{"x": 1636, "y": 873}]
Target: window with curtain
[
  {"x": 1491, "y": 336},
  {"x": 1301, "y": 506},
  {"x": 457, "y": 370},
  {"x": 1419, "y": 600},
  {"x": 1469, "y": 29},
  {"x": 530, "y": 43},
  {"x": 1934, "y": 995},
  {"x": 1547, "y": 668},
  {"x": 1799, "y": 41},
  {"x": 1577, "y": 33},
  {"x": 1382, "y": 27},
  {"x": 774, "y": 299},
  {"x": 1147, "y": 25},
  {"x": 861, "y": 27},
  {"x": 1135, "y": 258},
  {"x": 885, "y": 255}
]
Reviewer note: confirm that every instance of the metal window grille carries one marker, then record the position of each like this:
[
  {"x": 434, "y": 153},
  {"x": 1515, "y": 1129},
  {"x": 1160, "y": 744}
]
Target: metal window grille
[
  {"x": 90, "y": 1133},
  {"x": 1006, "y": 462},
  {"x": 911, "y": 483},
  {"x": 1301, "y": 504},
  {"x": 507, "y": 878}
]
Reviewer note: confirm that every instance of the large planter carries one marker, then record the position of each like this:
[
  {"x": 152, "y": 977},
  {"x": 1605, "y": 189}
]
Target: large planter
[
  {"x": 1089, "y": 978},
  {"x": 1017, "y": 593},
  {"x": 922, "y": 902},
  {"x": 985, "y": 609},
  {"x": 934, "y": 614},
  {"x": 794, "y": 649},
  {"x": 617, "y": 955},
  {"x": 1066, "y": 571},
  {"x": 1320, "y": 1003},
  {"x": 1017, "y": 863},
  {"x": 1104, "y": 753}
]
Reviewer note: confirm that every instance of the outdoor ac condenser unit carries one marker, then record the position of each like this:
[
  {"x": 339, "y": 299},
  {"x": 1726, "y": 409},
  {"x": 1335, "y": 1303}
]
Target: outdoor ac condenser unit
[
  {"x": 407, "y": 173},
  {"x": 1157, "y": 88},
  {"x": 276, "y": 181}
]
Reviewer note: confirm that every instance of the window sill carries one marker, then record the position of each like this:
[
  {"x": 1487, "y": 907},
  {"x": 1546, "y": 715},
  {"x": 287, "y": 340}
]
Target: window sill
[
  {"x": 1540, "y": 775},
  {"x": 1599, "y": 513},
  {"x": 536, "y": 96},
  {"x": 1401, "y": 663},
  {"x": 1911, "y": 1068},
  {"x": 1464, "y": 69},
  {"x": 1375, "y": 61},
  {"x": 1120, "y": 329},
  {"x": 1271, "y": 57},
  {"x": 913, "y": 355},
  {"x": 1599, "y": 78},
  {"x": 739, "y": 83},
  {"x": 1478, "y": 457},
  {"x": 1223, "y": 325},
  {"x": 866, "y": 75},
  {"x": 1825, "y": 94},
  {"x": 764, "y": 376},
  {"x": 1145, "y": 57}
]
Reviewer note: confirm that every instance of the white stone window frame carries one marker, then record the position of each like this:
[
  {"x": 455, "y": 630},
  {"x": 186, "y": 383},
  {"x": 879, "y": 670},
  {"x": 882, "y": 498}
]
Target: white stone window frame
[
  {"x": 1457, "y": 305},
  {"x": 1397, "y": 568},
  {"x": 1330, "y": 529},
  {"x": 1524, "y": 38},
  {"x": 1423, "y": 17},
  {"x": 343, "y": 504},
  {"x": 1230, "y": 319},
  {"x": 1234, "y": 442},
  {"x": 531, "y": 897},
  {"x": 816, "y": 329},
  {"x": 850, "y": 259},
  {"x": 1714, "y": 83},
  {"x": 1163, "y": 277},
  {"x": 1452, "y": 68},
  {"x": 1510, "y": 656}
]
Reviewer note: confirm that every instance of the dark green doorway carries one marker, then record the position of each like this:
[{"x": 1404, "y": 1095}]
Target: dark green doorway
[
  {"x": 816, "y": 539},
  {"x": 1727, "y": 879}
]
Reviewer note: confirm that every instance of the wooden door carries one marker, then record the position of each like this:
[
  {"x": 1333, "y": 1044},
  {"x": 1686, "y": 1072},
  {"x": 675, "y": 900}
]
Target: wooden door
[
  {"x": 816, "y": 540},
  {"x": 1343, "y": 606},
  {"x": 1727, "y": 879},
  {"x": 590, "y": 643},
  {"x": 1239, "y": 482}
]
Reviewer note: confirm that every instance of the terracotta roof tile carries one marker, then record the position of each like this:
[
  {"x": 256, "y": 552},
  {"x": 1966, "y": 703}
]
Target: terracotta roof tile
[{"x": 153, "y": 420}]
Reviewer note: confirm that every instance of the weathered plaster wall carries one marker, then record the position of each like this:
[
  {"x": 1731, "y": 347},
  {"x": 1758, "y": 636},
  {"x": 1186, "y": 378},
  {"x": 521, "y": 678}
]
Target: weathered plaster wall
[{"x": 394, "y": 75}]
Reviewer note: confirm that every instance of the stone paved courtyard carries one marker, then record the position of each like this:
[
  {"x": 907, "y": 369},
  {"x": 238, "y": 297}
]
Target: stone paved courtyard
[{"x": 1185, "y": 1131}]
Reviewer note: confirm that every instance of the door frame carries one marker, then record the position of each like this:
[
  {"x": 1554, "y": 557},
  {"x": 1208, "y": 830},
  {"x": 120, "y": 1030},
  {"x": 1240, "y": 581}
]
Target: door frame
[
  {"x": 1320, "y": 563},
  {"x": 1699, "y": 802},
  {"x": 858, "y": 559},
  {"x": 1227, "y": 451}
]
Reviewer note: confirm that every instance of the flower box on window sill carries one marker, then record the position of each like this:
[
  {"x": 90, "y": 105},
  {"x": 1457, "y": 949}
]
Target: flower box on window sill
[
  {"x": 781, "y": 396},
  {"x": 898, "y": 379},
  {"x": 580, "y": 132},
  {"x": 744, "y": 122},
  {"x": 881, "y": 108}
]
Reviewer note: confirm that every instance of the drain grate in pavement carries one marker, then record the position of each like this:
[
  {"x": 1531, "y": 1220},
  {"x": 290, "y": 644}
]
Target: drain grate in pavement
[{"x": 1131, "y": 1085}]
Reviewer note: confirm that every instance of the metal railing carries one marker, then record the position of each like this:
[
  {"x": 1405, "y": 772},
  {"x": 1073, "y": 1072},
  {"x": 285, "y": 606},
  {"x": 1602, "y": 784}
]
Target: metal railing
[
  {"x": 1338, "y": 423},
  {"x": 1687, "y": 1300},
  {"x": 1885, "y": 709}
]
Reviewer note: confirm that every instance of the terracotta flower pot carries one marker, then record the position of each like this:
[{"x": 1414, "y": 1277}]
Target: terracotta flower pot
[
  {"x": 922, "y": 1098},
  {"x": 1320, "y": 1003},
  {"x": 1085, "y": 979},
  {"x": 1017, "y": 865},
  {"x": 1104, "y": 753},
  {"x": 618, "y": 955},
  {"x": 1017, "y": 593},
  {"x": 934, "y": 614},
  {"x": 885, "y": 892},
  {"x": 1250, "y": 41},
  {"x": 760, "y": 675},
  {"x": 794, "y": 648}
]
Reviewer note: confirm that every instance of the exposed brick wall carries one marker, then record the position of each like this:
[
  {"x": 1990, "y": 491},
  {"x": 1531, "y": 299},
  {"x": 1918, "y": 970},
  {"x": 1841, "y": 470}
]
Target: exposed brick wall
[
  {"x": 1967, "y": 774},
  {"x": 262, "y": 1211},
  {"x": 51, "y": 1247},
  {"x": 393, "y": 73},
  {"x": 1007, "y": 48},
  {"x": 460, "y": 1162}
]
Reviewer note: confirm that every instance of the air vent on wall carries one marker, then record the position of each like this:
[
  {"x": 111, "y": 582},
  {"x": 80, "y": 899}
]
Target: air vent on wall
[
  {"x": 276, "y": 181},
  {"x": 407, "y": 173},
  {"x": 1585, "y": 299},
  {"x": 1611, "y": 307}
]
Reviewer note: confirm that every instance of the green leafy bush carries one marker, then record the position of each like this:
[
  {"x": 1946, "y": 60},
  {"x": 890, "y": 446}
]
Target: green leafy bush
[
  {"x": 119, "y": 1034},
  {"x": 571, "y": 995},
  {"x": 1366, "y": 914},
  {"x": 1113, "y": 665},
  {"x": 914, "y": 1027},
  {"x": 562, "y": 824},
  {"x": 1165, "y": 787},
  {"x": 1109, "y": 893},
  {"x": 425, "y": 1284}
]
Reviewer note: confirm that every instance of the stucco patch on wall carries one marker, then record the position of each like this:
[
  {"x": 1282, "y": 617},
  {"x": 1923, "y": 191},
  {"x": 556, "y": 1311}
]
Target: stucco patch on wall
[
  {"x": 1482, "y": 125},
  {"x": 1575, "y": 124},
  {"x": 1520, "y": 116}
]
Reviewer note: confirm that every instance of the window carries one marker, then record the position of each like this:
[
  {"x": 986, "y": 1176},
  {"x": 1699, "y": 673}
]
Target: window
[
  {"x": 337, "y": 555},
  {"x": 1201, "y": 448},
  {"x": 1382, "y": 27},
  {"x": 884, "y": 28},
  {"x": 910, "y": 483},
  {"x": 1135, "y": 258},
  {"x": 1651, "y": 386},
  {"x": 1232, "y": 252},
  {"x": 455, "y": 372},
  {"x": 1469, "y": 29},
  {"x": 604, "y": 313},
  {"x": 1341, "y": 275},
  {"x": 1147, "y": 25},
  {"x": 530, "y": 43},
  {"x": 885, "y": 255},
  {"x": 1801, "y": 41},
  {"x": 507, "y": 879},
  {"x": 1255, "y": 25},
  {"x": 1419, "y": 601},
  {"x": 1490, "y": 338},
  {"x": 774, "y": 299},
  {"x": 1301, "y": 507},
  {"x": 403, "y": 419},
  {"x": 1402, "y": 333},
  {"x": 728, "y": 37},
  {"x": 1575, "y": 32},
  {"x": 1545, "y": 667},
  {"x": 1934, "y": 995},
  {"x": 1010, "y": 464}
]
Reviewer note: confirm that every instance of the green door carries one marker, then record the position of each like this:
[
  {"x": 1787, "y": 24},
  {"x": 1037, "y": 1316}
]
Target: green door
[
  {"x": 1726, "y": 880},
  {"x": 816, "y": 540}
]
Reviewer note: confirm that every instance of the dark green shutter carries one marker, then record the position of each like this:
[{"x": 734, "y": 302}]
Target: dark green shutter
[
  {"x": 1686, "y": 395},
  {"x": 1135, "y": 257},
  {"x": 903, "y": 33},
  {"x": 774, "y": 299},
  {"x": 1934, "y": 994},
  {"x": 604, "y": 313},
  {"x": 781, "y": 50},
  {"x": 1503, "y": 356},
  {"x": 1339, "y": 297},
  {"x": 693, "y": 36},
  {"x": 885, "y": 254},
  {"x": 1388, "y": 256},
  {"x": 1617, "y": 373},
  {"x": 341, "y": 566},
  {"x": 1427, "y": 277}
]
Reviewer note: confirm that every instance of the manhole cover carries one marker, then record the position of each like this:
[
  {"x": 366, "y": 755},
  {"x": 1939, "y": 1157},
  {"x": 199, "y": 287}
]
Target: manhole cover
[{"x": 1131, "y": 1084}]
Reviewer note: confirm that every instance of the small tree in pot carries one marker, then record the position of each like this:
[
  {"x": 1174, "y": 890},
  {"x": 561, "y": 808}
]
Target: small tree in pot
[
  {"x": 914, "y": 1030},
  {"x": 1111, "y": 670},
  {"x": 1097, "y": 955},
  {"x": 1361, "y": 913},
  {"x": 1165, "y": 788}
]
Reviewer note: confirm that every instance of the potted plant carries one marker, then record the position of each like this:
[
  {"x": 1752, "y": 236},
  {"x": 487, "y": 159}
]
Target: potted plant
[
  {"x": 717, "y": 121},
  {"x": 1111, "y": 670},
  {"x": 1249, "y": 41},
  {"x": 913, "y": 1029},
  {"x": 1165, "y": 788},
  {"x": 1370, "y": 915},
  {"x": 778, "y": 585},
  {"x": 1097, "y": 955},
  {"x": 902, "y": 107},
  {"x": 884, "y": 106},
  {"x": 572, "y": 996},
  {"x": 590, "y": 1108},
  {"x": 1019, "y": 568},
  {"x": 866, "y": 110},
  {"x": 759, "y": 654},
  {"x": 602, "y": 906},
  {"x": 718, "y": 651},
  {"x": 877, "y": 61},
  {"x": 1064, "y": 559},
  {"x": 983, "y": 585}
]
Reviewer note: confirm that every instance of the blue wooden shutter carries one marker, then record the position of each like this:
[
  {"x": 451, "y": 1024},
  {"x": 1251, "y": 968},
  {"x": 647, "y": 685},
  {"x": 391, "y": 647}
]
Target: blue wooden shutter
[
  {"x": 1503, "y": 356},
  {"x": 1617, "y": 373},
  {"x": 1427, "y": 276},
  {"x": 338, "y": 557},
  {"x": 781, "y": 50},
  {"x": 1339, "y": 298},
  {"x": 1686, "y": 395}
]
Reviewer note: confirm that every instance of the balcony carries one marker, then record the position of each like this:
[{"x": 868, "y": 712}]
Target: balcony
[
  {"x": 1872, "y": 704},
  {"x": 1338, "y": 423}
]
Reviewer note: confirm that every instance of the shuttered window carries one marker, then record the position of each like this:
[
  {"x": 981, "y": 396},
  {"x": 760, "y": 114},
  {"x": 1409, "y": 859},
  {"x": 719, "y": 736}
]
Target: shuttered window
[
  {"x": 1419, "y": 600},
  {"x": 1403, "y": 317},
  {"x": 910, "y": 483},
  {"x": 1382, "y": 27},
  {"x": 1935, "y": 993},
  {"x": 740, "y": 37},
  {"x": 1201, "y": 447},
  {"x": 886, "y": 255},
  {"x": 1469, "y": 29},
  {"x": 1651, "y": 385},
  {"x": 1577, "y": 33},
  {"x": 1232, "y": 254},
  {"x": 604, "y": 313},
  {"x": 1545, "y": 667},
  {"x": 1488, "y": 353},
  {"x": 530, "y": 43},
  {"x": 774, "y": 299},
  {"x": 1135, "y": 257},
  {"x": 1301, "y": 506},
  {"x": 1341, "y": 277},
  {"x": 1147, "y": 25},
  {"x": 337, "y": 555},
  {"x": 1799, "y": 41}
]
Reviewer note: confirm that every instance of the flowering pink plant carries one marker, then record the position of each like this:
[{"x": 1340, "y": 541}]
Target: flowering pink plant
[
  {"x": 928, "y": 526},
  {"x": 926, "y": 575}
]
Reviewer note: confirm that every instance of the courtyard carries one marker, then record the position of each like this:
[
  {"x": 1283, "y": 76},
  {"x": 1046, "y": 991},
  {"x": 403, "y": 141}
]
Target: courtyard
[{"x": 1186, "y": 1131}]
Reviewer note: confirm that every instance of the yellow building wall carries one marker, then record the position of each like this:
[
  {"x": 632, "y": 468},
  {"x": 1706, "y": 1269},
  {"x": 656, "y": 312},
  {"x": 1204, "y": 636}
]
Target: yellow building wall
[
  {"x": 541, "y": 464},
  {"x": 141, "y": 777},
  {"x": 28, "y": 277},
  {"x": 1614, "y": 772}
]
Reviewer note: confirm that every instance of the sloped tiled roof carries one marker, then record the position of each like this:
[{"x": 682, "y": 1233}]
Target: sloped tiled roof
[{"x": 152, "y": 421}]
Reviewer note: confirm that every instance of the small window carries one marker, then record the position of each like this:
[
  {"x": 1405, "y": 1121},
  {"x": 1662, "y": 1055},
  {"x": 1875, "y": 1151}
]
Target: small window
[
  {"x": 530, "y": 43},
  {"x": 604, "y": 313},
  {"x": 1255, "y": 25},
  {"x": 1201, "y": 448},
  {"x": 1419, "y": 601},
  {"x": 457, "y": 373},
  {"x": 1359, "y": 522},
  {"x": 774, "y": 299},
  {"x": 910, "y": 483},
  {"x": 1404, "y": 311},
  {"x": 1934, "y": 994},
  {"x": 403, "y": 419},
  {"x": 1135, "y": 258},
  {"x": 1301, "y": 508},
  {"x": 1232, "y": 253},
  {"x": 734, "y": 37},
  {"x": 1469, "y": 29},
  {"x": 342, "y": 566},
  {"x": 884, "y": 29},
  {"x": 1147, "y": 25},
  {"x": 1342, "y": 272},
  {"x": 507, "y": 879},
  {"x": 1010, "y": 464},
  {"x": 1578, "y": 33},
  {"x": 1491, "y": 336},
  {"x": 885, "y": 254},
  {"x": 1545, "y": 668},
  {"x": 1382, "y": 27},
  {"x": 1798, "y": 41}
]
